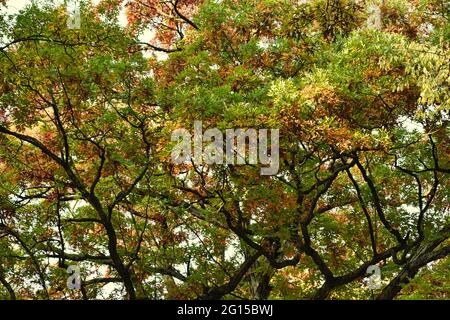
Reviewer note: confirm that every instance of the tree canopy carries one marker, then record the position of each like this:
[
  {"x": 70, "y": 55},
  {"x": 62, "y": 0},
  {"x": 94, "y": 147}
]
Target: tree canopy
[{"x": 359, "y": 91}]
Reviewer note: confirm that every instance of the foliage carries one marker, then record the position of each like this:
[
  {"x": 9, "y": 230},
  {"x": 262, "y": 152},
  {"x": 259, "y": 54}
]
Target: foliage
[{"x": 86, "y": 117}]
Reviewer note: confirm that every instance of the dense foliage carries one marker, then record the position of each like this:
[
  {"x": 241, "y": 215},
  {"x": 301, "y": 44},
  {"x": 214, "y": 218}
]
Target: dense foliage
[{"x": 358, "y": 89}]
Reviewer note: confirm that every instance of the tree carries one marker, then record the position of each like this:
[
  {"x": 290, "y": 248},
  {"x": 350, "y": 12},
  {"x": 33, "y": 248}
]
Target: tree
[{"x": 87, "y": 178}]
